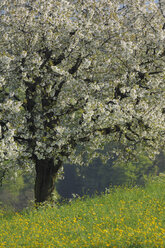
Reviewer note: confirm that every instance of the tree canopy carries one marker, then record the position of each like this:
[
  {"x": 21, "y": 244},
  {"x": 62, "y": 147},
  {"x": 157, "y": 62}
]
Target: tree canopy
[{"x": 80, "y": 73}]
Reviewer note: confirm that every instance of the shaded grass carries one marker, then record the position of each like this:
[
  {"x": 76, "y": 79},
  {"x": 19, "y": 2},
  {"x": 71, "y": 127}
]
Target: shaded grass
[{"x": 125, "y": 217}]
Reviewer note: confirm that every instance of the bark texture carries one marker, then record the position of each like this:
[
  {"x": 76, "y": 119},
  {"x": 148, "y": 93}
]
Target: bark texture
[{"x": 46, "y": 173}]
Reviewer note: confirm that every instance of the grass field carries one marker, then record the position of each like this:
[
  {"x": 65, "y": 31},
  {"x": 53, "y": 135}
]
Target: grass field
[{"x": 122, "y": 218}]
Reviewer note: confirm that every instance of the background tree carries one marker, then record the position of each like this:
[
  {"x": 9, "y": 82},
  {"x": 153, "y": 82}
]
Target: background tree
[
  {"x": 95, "y": 178},
  {"x": 79, "y": 73}
]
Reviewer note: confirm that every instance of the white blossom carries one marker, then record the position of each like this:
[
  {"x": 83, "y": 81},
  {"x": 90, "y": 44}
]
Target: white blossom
[{"x": 80, "y": 73}]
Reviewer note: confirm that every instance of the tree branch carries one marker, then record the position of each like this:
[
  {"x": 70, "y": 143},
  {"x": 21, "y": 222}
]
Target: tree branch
[{"x": 76, "y": 65}]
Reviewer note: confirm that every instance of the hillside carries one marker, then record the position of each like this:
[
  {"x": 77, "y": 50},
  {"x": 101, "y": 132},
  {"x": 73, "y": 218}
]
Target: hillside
[{"x": 121, "y": 218}]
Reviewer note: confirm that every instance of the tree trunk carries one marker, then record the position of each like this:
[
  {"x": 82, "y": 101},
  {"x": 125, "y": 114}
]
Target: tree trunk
[{"x": 46, "y": 173}]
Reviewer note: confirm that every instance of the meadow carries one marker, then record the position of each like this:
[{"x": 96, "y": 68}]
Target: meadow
[{"x": 124, "y": 217}]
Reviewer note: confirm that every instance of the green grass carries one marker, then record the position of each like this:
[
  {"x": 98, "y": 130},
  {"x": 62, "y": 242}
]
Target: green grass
[{"x": 126, "y": 218}]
